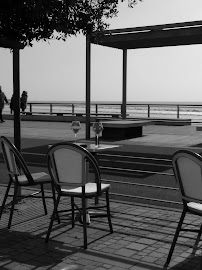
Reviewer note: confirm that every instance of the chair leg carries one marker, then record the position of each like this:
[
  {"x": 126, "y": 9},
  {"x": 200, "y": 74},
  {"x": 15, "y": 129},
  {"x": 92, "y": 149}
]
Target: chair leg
[
  {"x": 5, "y": 197},
  {"x": 54, "y": 201},
  {"x": 200, "y": 231},
  {"x": 52, "y": 218},
  {"x": 84, "y": 221},
  {"x": 73, "y": 216},
  {"x": 108, "y": 212},
  {"x": 175, "y": 237},
  {"x": 43, "y": 199},
  {"x": 13, "y": 204}
]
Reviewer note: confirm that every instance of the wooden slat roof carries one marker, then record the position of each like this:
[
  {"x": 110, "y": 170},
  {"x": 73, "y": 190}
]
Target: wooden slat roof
[
  {"x": 10, "y": 44},
  {"x": 186, "y": 33}
]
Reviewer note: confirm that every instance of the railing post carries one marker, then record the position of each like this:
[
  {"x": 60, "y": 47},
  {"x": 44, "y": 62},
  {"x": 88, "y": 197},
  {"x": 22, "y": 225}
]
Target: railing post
[
  {"x": 30, "y": 107},
  {"x": 178, "y": 111},
  {"x": 96, "y": 109},
  {"x": 148, "y": 110},
  {"x": 51, "y": 108},
  {"x": 72, "y": 108}
]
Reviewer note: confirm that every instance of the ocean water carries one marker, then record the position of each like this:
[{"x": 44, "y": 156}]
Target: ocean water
[{"x": 160, "y": 110}]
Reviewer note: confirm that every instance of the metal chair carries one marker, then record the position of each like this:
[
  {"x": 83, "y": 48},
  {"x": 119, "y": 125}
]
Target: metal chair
[
  {"x": 20, "y": 176},
  {"x": 187, "y": 167},
  {"x": 69, "y": 166}
]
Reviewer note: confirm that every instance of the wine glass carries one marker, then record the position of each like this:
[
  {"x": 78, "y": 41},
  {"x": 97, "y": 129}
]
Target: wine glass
[
  {"x": 97, "y": 128},
  {"x": 75, "y": 126}
]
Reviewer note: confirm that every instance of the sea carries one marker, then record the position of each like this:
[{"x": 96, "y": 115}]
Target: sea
[{"x": 162, "y": 110}]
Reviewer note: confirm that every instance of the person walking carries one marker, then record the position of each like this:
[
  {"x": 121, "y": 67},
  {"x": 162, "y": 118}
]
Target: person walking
[
  {"x": 3, "y": 99},
  {"x": 12, "y": 104},
  {"x": 23, "y": 101}
]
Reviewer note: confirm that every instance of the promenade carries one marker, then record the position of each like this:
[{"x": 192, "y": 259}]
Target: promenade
[{"x": 142, "y": 233}]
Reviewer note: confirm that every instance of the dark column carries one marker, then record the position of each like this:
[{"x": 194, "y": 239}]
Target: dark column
[
  {"x": 88, "y": 84},
  {"x": 124, "y": 86},
  {"x": 16, "y": 92}
]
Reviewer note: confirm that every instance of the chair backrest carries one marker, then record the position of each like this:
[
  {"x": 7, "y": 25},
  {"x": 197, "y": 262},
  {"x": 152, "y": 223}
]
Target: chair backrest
[
  {"x": 14, "y": 161},
  {"x": 69, "y": 164},
  {"x": 187, "y": 167}
]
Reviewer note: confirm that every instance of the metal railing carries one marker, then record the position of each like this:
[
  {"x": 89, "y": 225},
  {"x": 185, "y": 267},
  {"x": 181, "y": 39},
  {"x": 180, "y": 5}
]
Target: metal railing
[{"x": 149, "y": 110}]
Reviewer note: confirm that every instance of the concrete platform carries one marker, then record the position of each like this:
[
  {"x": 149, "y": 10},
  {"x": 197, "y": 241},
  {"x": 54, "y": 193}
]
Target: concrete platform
[
  {"x": 153, "y": 135},
  {"x": 123, "y": 129}
]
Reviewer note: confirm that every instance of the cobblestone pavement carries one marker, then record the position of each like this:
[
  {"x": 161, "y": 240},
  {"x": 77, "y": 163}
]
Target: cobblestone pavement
[
  {"x": 142, "y": 233},
  {"x": 141, "y": 239}
]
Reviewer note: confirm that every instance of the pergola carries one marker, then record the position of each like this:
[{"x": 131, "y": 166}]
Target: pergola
[
  {"x": 186, "y": 33},
  {"x": 15, "y": 47}
]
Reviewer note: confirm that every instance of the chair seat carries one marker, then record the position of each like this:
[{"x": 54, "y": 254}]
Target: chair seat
[
  {"x": 90, "y": 189},
  {"x": 195, "y": 207},
  {"x": 39, "y": 178}
]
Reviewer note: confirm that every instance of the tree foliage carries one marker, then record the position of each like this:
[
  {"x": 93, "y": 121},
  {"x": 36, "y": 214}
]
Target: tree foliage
[{"x": 28, "y": 20}]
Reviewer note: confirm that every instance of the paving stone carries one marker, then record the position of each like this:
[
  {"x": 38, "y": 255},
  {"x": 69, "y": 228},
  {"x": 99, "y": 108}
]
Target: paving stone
[
  {"x": 148, "y": 259},
  {"x": 136, "y": 246},
  {"x": 125, "y": 252},
  {"x": 146, "y": 241}
]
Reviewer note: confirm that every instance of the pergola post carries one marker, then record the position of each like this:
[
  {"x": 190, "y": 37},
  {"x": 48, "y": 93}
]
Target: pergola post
[
  {"x": 16, "y": 92},
  {"x": 88, "y": 84},
  {"x": 124, "y": 85}
]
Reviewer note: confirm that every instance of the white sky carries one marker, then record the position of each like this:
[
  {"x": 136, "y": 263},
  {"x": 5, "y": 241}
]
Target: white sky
[{"x": 56, "y": 71}]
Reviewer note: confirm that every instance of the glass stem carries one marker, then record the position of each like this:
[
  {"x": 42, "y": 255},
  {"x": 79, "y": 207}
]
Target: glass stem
[{"x": 97, "y": 140}]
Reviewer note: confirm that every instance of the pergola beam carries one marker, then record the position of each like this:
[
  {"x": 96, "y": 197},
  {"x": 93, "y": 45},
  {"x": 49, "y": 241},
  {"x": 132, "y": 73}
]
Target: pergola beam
[
  {"x": 10, "y": 44},
  {"x": 185, "y": 33},
  {"x": 151, "y": 36}
]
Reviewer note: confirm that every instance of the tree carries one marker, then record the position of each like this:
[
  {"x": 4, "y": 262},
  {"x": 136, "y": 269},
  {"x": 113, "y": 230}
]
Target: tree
[{"x": 28, "y": 20}]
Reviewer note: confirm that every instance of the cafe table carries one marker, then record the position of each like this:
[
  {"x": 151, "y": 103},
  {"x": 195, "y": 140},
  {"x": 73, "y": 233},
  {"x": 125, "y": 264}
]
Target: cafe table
[{"x": 95, "y": 149}]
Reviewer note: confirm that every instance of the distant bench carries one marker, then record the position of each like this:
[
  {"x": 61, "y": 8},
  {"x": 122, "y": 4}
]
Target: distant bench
[
  {"x": 47, "y": 113},
  {"x": 199, "y": 128},
  {"x": 113, "y": 115},
  {"x": 123, "y": 129}
]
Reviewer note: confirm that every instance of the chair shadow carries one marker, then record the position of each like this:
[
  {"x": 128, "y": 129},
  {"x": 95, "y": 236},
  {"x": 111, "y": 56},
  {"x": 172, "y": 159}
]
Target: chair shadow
[
  {"x": 192, "y": 261},
  {"x": 25, "y": 248}
]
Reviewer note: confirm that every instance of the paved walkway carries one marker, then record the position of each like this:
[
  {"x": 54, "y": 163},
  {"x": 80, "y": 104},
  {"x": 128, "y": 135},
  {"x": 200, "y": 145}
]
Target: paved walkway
[
  {"x": 142, "y": 233},
  {"x": 154, "y": 135},
  {"x": 141, "y": 240}
]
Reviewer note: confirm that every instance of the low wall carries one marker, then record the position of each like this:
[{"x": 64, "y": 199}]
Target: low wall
[
  {"x": 49, "y": 118},
  {"x": 82, "y": 119},
  {"x": 167, "y": 121}
]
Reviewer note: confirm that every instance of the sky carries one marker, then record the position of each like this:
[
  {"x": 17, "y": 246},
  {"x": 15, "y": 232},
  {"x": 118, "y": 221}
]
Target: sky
[{"x": 55, "y": 70}]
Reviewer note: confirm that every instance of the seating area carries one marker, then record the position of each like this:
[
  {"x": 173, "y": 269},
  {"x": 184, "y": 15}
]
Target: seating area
[
  {"x": 141, "y": 240},
  {"x": 128, "y": 236}
]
